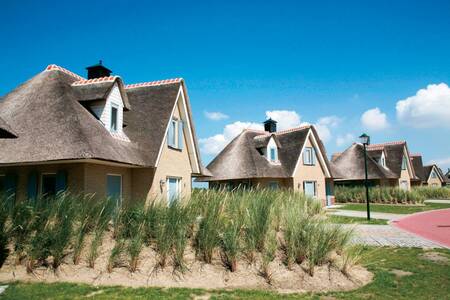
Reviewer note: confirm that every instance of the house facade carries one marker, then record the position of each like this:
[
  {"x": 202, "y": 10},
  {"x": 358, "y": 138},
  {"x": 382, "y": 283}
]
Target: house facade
[
  {"x": 388, "y": 164},
  {"x": 291, "y": 159},
  {"x": 96, "y": 135},
  {"x": 429, "y": 175}
]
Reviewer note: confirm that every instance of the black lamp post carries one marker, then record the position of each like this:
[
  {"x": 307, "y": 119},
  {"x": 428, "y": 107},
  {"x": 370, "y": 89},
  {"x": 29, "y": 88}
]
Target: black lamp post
[{"x": 365, "y": 140}]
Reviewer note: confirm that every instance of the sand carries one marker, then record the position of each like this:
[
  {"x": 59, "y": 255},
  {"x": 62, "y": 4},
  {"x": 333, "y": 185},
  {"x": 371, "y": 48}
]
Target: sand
[{"x": 198, "y": 275}]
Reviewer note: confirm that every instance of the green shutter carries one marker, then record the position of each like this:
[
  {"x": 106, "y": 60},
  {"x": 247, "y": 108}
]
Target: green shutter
[
  {"x": 180, "y": 134},
  {"x": 32, "y": 187},
  {"x": 61, "y": 181}
]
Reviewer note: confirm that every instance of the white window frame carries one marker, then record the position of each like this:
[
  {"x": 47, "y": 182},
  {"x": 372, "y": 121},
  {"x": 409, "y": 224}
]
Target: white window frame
[
  {"x": 178, "y": 179},
  {"x": 175, "y": 125},
  {"x": 315, "y": 186},
  {"x": 121, "y": 184},
  {"x": 275, "y": 152},
  {"x": 309, "y": 150},
  {"x": 116, "y": 107},
  {"x": 41, "y": 182}
]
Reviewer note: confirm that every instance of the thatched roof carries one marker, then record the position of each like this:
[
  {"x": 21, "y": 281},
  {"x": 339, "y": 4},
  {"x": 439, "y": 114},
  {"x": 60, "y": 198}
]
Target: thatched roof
[
  {"x": 242, "y": 158},
  {"x": 52, "y": 124},
  {"x": 418, "y": 167},
  {"x": 394, "y": 155},
  {"x": 349, "y": 165},
  {"x": 6, "y": 131},
  {"x": 427, "y": 171}
]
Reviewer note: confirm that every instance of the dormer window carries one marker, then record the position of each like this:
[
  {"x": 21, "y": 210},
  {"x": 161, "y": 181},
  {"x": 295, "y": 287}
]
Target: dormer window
[
  {"x": 273, "y": 155},
  {"x": 114, "y": 120},
  {"x": 271, "y": 151},
  {"x": 383, "y": 160},
  {"x": 175, "y": 134}
]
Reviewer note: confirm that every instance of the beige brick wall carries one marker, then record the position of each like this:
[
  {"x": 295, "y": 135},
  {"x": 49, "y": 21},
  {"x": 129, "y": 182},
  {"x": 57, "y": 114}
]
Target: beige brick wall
[
  {"x": 95, "y": 179},
  {"x": 404, "y": 176},
  {"x": 310, "y": 173},
  {"x": 173, "y": 163}
]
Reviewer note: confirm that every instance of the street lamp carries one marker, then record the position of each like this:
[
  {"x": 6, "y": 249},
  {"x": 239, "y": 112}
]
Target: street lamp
[{"x": 365, "y": 140}]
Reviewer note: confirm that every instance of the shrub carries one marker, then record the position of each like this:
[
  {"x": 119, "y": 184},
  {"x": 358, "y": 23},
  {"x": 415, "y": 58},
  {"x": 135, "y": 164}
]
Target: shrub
[
  {"x": 431, "y": 193},
  {"x": 387, "y": 195}
]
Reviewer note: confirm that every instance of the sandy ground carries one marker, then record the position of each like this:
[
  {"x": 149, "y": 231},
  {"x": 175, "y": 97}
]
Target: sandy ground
[{"x": 198, "y": 275}]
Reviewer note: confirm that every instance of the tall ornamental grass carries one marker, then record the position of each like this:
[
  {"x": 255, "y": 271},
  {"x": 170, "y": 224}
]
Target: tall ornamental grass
[{"x": 258, "y": 226}]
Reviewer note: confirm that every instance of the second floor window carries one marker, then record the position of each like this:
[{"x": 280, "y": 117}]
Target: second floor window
[
  {"x": 308, "y": 156},
  {"x": 114, "y": 122},
  {"x": 273, "y": 154},
  {"x": 175, "y": 134},
  {"x": 404, "y": 162},
  {"x": 433, "y": 174}
]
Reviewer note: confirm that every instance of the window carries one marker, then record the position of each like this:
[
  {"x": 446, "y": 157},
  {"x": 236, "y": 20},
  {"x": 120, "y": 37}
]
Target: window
[
  {"x": 175, "y": 134},
  {"x": 114, "y": 122},
  {"x": 114, "y": 187},
  {"x": 48, "y": 185},
  {"x": 404, "y": 163},
  {"x": 273, "y": 154},
  {"x": 308, "y": 156},
  {"x": 273, "y": 185},
  {"x": 383, "y": 162},
  {"x": 173, "y": 189},
  {"x": 309, "y": 188},
  {"x": 433, "y": 174},
  {"x": 404, "y": 185}
]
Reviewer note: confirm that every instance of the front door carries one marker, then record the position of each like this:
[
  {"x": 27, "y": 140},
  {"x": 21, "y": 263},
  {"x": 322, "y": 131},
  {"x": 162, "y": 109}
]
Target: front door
[
  {"x": 114, "y": 187},
  {"x": 404, "y": 185},
  {"x": 173, "y": 189}
]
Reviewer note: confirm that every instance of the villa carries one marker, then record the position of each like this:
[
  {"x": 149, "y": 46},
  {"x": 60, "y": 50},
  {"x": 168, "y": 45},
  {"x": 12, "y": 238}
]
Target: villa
[
  {"x": 388, "y": 164},
  {"x": 290, "y": 159},
  {"x": 97, "y": 135}
]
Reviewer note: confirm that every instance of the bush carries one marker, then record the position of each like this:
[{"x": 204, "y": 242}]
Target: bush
[
  {"x": 436, "y": 193},
  {"x": 387, "y": 195}
]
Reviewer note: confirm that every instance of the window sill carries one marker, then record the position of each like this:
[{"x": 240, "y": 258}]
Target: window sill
[
  {"x": 175, "y": 148},
  {"x": 311, "y": 165}
]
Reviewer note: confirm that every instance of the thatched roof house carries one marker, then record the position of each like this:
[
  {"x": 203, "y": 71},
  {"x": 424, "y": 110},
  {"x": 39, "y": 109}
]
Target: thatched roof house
[
  {"x": 388, "y": 164},
  {"x": 62, "y": 119},
  {"x": 294, "y": 158}
]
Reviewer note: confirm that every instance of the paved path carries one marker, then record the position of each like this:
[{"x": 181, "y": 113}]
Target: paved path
[
  {"x": 363, "y": 214},
  {"x": 433, "y": 225},
  {"x": 438, "y": 201},
  {"x": 387, "y": 235}
]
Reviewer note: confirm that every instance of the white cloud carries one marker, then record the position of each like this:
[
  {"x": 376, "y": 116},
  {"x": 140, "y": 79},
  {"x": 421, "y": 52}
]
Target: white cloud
[
  {"x": 345, "y": 139},
  {"x": 286, "y": 118},
  {"x": 430, "y": 107},
  {"x": 324, "y": 126},
  {"x": 214, "y": 144},
  {"x": 441, "y": 162},
  {"x": 215, "y": 115},
  {"x": 374, "y": 119}
]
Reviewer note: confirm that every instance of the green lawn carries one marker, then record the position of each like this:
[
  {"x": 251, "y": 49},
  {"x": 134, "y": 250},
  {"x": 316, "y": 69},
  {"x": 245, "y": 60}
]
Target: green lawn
[
  {"x": 354, "y": 220},
  {"x": 395, "y": 209},
  {"x": 428, "y": 280}
]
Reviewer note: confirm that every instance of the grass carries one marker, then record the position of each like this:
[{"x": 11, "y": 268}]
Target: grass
[
  {"x": 395, "y": 209},
  {"x": 428, "y": 280},
  {"x": 355, "y": 220}
]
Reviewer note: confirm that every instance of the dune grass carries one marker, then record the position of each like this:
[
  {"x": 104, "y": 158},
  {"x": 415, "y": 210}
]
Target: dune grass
[
  {"x": 230, "y": 225},
  {"x": 426, "y": 280}
]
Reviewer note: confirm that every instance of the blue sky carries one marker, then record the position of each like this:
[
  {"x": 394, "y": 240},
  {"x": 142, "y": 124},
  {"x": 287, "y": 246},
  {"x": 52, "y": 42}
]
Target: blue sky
[{"x": 325, "y": 63}]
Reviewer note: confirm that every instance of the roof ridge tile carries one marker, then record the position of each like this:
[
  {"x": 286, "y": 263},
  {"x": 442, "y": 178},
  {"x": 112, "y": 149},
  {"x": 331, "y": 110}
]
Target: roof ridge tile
[
  {"x": 54, "y": 67},
  {"x": 95, "y": 80},
  {"x": 153, "y": 83}
]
